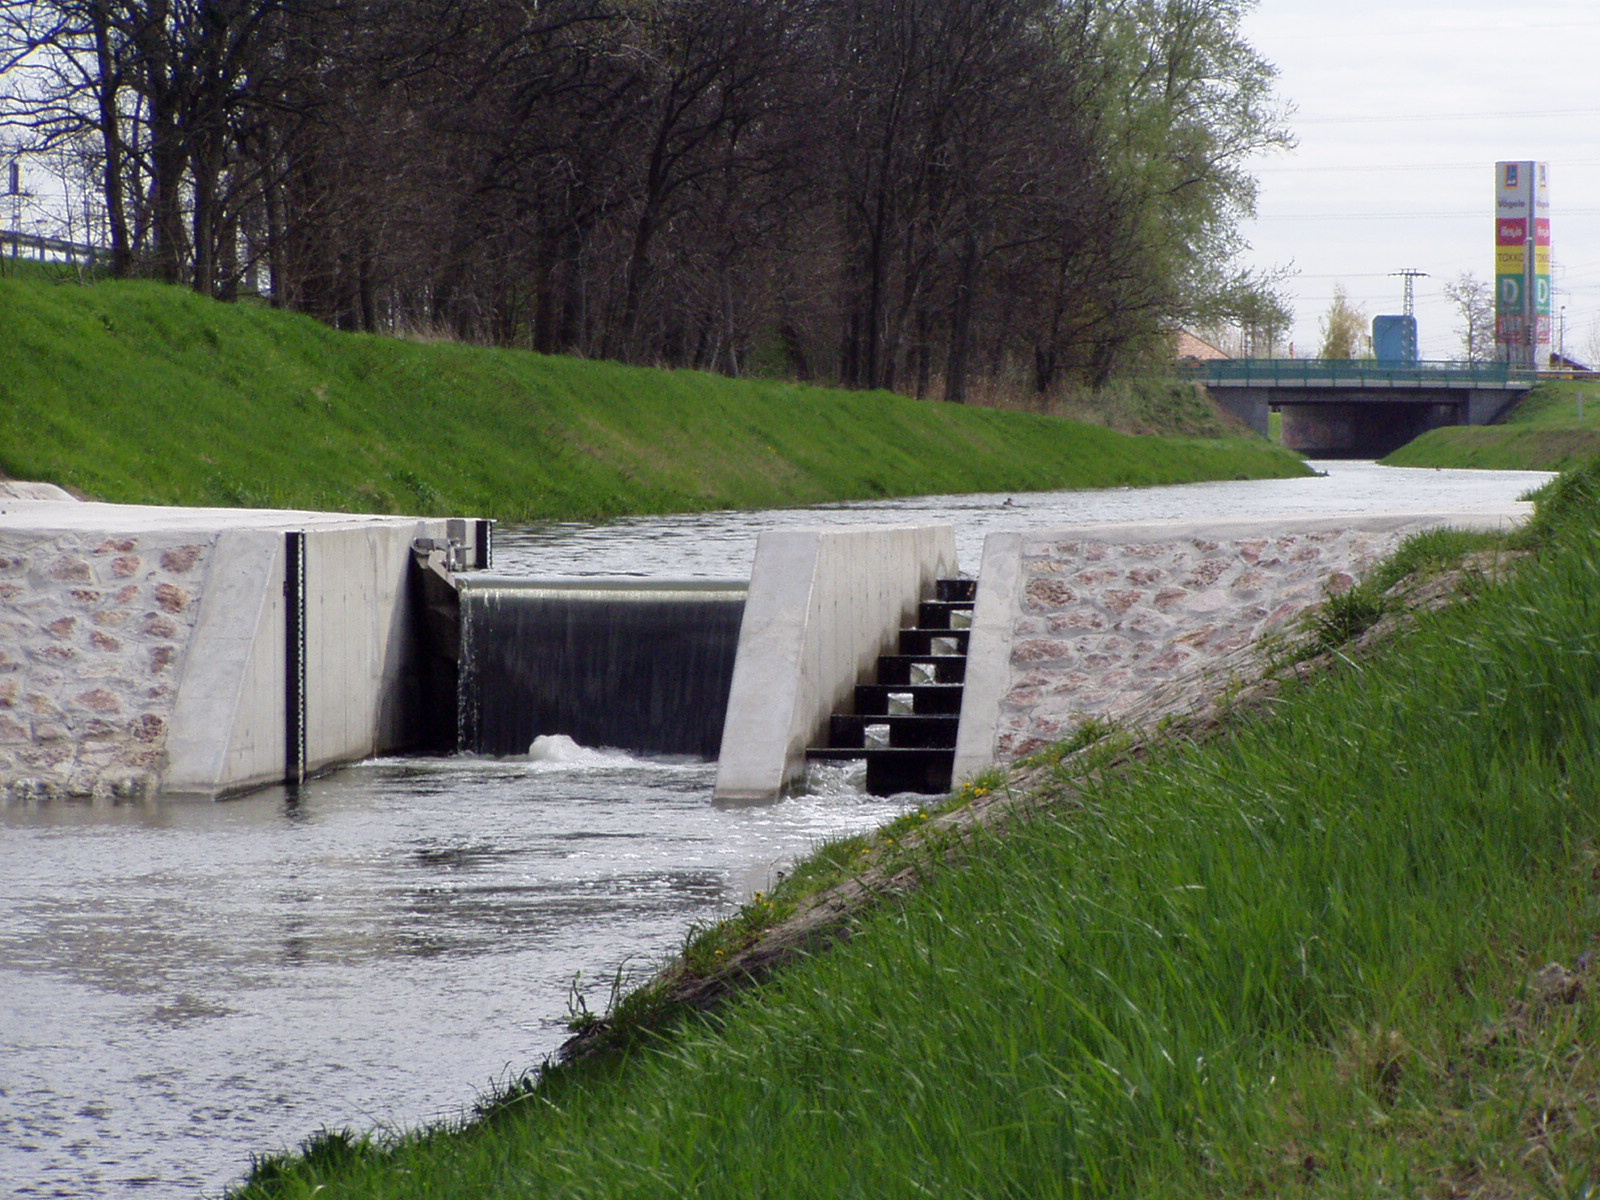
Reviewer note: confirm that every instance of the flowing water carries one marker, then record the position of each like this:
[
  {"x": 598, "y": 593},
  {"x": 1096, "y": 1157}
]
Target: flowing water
[{"x": 185, "y": 984}]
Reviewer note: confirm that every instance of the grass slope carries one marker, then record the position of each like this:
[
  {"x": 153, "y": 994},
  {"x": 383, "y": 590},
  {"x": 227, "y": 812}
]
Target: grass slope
[
  {"x": 1545, "y": 433},
  {"x": 1342, "y": 952},
  {"x": 135, "y": 392}
]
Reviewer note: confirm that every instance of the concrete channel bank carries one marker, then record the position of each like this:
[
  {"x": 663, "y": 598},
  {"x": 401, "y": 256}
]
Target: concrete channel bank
[
  {"x": 1092, "y": 622},
  {"x": 195, "y": 651}
]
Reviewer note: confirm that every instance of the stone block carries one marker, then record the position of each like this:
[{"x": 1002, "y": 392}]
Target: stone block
[
  {"x": 180, "y": 560},
  {"x": 1118, "y": 601},
  {"x": 1081, "y": 620},
  {"x": 148, "y": 728},
  {"x": 70, "y": 569},
  {"x": 1048, "y": 594},
  {"x": 1036, "y": 650},
  {"x": 99, "y": 700},
  {"x": 171, "y": 598},
  {"x": 157, "y": 625}
]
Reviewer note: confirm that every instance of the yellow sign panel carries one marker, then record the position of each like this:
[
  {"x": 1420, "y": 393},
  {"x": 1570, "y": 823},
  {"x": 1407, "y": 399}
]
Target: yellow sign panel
[{"x": 1509, "y": 260}]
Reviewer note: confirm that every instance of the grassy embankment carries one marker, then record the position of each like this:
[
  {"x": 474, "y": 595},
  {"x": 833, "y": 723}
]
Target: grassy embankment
[
  {"x": 1545, "y": 433},
  {"x": 135, "y": 392},
  {"x": 1312, "y": 955}
]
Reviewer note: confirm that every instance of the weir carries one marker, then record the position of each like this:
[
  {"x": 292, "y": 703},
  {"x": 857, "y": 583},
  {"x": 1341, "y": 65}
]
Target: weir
[
  {"x": 206, "y": 652},
  {"x": 642, "y": 665}
]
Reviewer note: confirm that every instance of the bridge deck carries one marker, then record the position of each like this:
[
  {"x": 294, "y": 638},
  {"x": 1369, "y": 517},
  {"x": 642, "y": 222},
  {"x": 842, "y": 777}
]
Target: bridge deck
[{"x": 1359, "y": 374}]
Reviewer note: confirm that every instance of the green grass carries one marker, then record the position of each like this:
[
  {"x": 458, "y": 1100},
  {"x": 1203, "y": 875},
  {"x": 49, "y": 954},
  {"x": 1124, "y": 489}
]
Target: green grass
[
  {"x": 1295, "y": 960},
  {"x": 1544, "y": 433},
  {"x": 135, "y": 392}
]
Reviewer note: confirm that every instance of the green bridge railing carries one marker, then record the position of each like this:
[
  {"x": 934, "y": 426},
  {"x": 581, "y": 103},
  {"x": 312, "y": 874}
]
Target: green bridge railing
[{"x": 1354, "y": 372}]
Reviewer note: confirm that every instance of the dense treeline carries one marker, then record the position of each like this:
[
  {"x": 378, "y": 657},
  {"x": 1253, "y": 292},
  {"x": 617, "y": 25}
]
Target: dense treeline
[{"x": 925, "y": 195}]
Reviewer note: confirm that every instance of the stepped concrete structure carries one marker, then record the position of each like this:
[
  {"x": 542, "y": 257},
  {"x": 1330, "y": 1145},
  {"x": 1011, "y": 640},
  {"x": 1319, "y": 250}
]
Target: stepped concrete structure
[{"x": 822, "y": 605}]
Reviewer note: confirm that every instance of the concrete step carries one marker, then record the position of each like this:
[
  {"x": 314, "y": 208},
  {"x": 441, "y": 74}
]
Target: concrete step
[
  {"x": 944, "y": 614},
  {"x": 922, "y": 668},
  {"x": 921, "y": 699},
  {"x": 955, "y": 589},
  {"x": 897, "y": 770},
  {"x": 934, "y": 641},
  {"x": 854, "y": 731}
]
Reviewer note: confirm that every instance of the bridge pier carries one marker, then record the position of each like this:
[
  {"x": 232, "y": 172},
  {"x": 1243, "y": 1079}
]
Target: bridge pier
[{"x": 1249, "y": 405}]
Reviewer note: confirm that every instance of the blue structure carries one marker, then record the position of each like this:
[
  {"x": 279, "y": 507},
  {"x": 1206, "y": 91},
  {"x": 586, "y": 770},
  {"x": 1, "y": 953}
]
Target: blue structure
[{"x": 1394, "y": 340}]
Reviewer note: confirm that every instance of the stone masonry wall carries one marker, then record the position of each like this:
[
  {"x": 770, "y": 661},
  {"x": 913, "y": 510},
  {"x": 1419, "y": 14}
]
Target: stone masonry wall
[
  {"x": 93, "y": 629},
  {"x": 1100, "y": 625}
]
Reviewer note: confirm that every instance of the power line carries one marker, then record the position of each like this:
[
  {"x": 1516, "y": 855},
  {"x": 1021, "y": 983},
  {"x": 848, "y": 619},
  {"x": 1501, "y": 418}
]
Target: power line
[
  {"x": 1467, "y": 166},
  {"x": 1407, "y": 118},
  {"x": 1475, "y": 215}
]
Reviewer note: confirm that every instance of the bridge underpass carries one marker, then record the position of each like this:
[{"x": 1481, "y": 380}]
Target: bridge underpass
[{"x": 1354, "y": 408}]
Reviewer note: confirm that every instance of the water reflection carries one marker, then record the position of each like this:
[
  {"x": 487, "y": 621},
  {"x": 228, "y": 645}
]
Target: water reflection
[{"x": 186, "y": 984}]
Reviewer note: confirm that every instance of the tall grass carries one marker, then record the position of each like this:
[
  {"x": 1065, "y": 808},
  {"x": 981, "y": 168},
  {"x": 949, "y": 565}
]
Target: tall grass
[
  {"x": 136, "y": 392},
  {"x": 1249, "y": 967},
  {"x": 1557, "y": 427}
]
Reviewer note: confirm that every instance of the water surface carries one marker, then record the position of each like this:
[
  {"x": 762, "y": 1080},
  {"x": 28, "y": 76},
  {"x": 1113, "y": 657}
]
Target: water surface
[{"x": 185, "y": 984}]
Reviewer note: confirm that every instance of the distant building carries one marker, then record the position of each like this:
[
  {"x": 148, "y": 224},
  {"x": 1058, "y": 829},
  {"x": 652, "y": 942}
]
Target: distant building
[{"x": 1194, "y": 349}]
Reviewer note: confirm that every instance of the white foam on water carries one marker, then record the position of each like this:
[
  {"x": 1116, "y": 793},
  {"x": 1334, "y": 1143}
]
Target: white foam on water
[{"x": 557, "y": 749}]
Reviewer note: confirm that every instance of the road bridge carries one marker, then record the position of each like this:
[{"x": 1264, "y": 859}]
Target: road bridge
[{"x": 1361, "y": 408}]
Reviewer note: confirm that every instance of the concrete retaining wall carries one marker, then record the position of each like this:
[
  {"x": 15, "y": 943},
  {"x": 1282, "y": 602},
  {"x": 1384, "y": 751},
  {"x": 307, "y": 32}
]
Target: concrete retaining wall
[
  {"x": 1081, "y": 623},
  {"x": 823, "y": 604},
  {"x": 142, "y": 650}
]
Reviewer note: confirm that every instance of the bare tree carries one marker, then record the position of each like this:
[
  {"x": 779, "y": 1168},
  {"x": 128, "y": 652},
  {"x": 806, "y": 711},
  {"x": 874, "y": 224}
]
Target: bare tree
[
  {"x": 1474, "y": 302},
  {"x": 918, "y": 194}
]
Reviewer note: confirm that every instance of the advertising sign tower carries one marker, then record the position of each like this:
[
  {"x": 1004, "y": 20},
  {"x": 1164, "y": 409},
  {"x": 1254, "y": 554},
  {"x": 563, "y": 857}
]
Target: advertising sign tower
[{"x": 1522, "y": 263}]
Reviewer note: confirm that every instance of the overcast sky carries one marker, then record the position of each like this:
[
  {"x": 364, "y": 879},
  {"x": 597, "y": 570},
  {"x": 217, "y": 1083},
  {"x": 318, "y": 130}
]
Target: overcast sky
[{"x": 1402, "y": 108}]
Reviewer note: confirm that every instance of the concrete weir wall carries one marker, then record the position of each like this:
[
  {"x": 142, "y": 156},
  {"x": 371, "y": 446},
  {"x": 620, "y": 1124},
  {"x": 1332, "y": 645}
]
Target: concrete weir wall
[
  {"x": 145, "y": 650},
  {"x": 1087, "y": 623},
  {"x": 823, "y": 604}
]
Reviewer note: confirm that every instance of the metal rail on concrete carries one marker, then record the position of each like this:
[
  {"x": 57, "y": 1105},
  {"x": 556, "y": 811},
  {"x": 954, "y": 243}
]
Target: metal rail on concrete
[{"x": 1356, "y": 373}]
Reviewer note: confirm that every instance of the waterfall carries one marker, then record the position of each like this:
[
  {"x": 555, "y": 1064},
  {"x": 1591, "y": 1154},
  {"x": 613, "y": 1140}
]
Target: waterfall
[{"x": 638, "y": 664}]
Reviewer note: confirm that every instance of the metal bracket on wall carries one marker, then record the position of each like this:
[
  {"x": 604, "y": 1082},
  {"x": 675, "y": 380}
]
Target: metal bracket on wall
[{"x": 294, "y": 657}]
